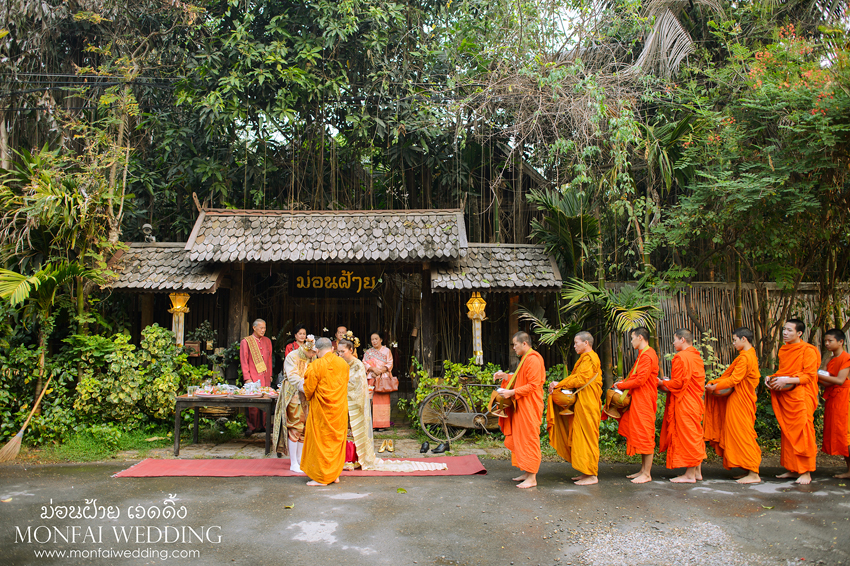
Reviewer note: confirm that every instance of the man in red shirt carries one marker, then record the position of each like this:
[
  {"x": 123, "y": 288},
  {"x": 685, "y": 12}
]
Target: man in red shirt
[{"x": 255, "y": 355}]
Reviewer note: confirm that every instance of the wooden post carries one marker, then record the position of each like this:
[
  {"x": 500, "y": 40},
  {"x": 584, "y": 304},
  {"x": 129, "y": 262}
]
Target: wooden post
[
  {"x": 427, "y": 308},
  {"x": 234, "y": 313},
  {"x": 513, "y": 327},
  {"x": 146, "y": 305},
  {"x": 237, "y": 316}
]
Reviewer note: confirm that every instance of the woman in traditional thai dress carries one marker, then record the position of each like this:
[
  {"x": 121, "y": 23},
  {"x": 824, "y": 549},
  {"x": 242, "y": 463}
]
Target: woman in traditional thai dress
[
  {"x": 359, "y": 418},
  {"x": 300, "y": 336},
  {"x": 379, "y": 364},
  {"x": 290, "y": 416},
  {"x": 359, "y": 413}
]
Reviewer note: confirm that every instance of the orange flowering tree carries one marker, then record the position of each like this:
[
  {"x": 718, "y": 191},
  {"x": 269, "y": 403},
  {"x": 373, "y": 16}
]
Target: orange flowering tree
[{"x": 768, "y": 159}]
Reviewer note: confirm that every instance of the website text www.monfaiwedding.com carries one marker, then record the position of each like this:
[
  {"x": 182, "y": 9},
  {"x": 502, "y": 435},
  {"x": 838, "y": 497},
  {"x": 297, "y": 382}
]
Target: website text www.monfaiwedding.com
[
  {"x": 75, "y": 532},
  {"x": 111, "y": 553}
]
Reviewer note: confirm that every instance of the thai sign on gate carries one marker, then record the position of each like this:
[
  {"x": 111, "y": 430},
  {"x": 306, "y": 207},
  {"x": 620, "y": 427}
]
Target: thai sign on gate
[{"x": 338, "y": 281}]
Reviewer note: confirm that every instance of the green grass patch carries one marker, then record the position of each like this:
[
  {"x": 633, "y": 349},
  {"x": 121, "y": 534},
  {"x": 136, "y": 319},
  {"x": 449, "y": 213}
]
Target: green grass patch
[{"x": 91, "y": 445}]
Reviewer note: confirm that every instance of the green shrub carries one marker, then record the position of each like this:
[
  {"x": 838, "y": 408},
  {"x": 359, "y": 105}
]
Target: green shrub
[
  {"x": 55, "y": 419},
  {"x": 135, "y": 385}
]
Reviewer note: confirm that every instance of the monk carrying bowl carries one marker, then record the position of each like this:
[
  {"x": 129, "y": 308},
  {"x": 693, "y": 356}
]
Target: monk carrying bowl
[
  {"x": 616, "y": 402},
  {"x": 566, "y": 399}
]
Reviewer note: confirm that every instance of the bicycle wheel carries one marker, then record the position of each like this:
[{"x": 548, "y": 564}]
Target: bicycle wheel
[{"x": 433, "y": 412}]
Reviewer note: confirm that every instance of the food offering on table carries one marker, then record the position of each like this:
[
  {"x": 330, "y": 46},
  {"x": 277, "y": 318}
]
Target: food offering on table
[
  {"x": 218, "y": 390},
  {"x": 268, "y": 391},
  {"x": 249, "y": 390}
]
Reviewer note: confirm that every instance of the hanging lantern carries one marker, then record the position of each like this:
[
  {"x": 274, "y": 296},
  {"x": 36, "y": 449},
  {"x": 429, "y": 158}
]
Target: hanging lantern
[
  {"x": 178, "y": 312},
  {"x": 178, "y": 302},
  {"x": 476, "y": 307}
]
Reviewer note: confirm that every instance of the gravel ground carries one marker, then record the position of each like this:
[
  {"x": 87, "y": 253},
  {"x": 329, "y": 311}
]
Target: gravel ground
[{"x": 657, "y": 544}]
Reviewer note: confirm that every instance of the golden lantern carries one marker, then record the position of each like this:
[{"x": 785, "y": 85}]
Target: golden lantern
[
  {"x": 178, "y": 302},
  {"x": 178, "y": 312},
  {"x": 476, "y": 307}
]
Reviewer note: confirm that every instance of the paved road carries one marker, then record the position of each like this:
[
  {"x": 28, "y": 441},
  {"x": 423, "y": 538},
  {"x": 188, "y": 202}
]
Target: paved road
[{"x": 438, "y": 521}]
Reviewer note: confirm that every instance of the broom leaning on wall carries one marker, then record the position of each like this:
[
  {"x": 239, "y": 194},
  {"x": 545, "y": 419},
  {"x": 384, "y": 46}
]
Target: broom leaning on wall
[{"x": 13, "y": 447}]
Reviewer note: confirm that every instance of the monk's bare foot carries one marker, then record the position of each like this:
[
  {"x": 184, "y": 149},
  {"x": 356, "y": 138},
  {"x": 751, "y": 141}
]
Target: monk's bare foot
[
  {"x": 523, "y": 477},
  {"x": 588, "y": 480},
  {"x": 312, "y": 483},
  {"x": 336, "y": 480},
  {"x": 752, "y": 477},
  {"x": 579, "y": 477},
  {"x": 804, "y": 479},
  {"x": 527, "y": 483},
  {"x": 642, "y": 478},
  {"x": 683, "y": 479},
  {"x": 633, "y": 476},
  {"x": 787, "y": 475},
  {"x": 843, "y": 476}
]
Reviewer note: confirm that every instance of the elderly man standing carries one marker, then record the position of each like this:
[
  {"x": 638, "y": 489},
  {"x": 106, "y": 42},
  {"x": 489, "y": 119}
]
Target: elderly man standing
[
  {"x": 326, "y": 389},
  {"x": 255, "y": 355}
]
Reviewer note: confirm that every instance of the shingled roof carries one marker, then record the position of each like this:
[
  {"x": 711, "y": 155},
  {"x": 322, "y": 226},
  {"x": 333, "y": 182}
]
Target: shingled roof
[
  {"x": 327, "y": 236},
  {"x": 499, "y": 268},
  {"x": 163, "y": 268}
]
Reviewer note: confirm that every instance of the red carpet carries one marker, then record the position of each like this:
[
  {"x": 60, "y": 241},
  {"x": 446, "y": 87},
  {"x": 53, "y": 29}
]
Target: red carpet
[{"x": 224, "y": 468}]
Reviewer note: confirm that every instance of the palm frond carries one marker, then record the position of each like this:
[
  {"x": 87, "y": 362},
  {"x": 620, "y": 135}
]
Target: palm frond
[{"x": 17, "y": 287}]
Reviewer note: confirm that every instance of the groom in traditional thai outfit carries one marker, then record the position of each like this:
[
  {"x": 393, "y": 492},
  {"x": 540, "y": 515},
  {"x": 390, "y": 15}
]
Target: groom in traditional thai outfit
[
  {"x": 290, "y": 415},
  {"x": 255, "y": 355}
]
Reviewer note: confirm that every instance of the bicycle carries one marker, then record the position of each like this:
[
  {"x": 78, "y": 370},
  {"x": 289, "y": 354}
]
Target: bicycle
[{"x": 445, "y": 415}]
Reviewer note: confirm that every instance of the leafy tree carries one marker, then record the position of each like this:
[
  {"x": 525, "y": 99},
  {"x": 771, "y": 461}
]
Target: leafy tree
[{"x": 38, "y": 293}]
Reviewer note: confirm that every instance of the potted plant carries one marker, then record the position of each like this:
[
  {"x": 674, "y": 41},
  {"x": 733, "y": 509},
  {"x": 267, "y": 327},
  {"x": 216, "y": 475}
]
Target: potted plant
[{"x": 202, "y": 337}]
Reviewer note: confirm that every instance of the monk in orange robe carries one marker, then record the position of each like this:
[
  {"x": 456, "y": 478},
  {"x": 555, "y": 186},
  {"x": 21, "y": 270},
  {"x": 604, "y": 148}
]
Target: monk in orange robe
[
  {"x": 681, "y": 429},
  {"x": 836, "y": 397},
  {"x": 730, "y": 420},
  {"x": 795, "y": 408},
  {"x": 522, "y": 425},
  {"x": 638, "y": 421},
  {"x": 326, "y": 389},
  {"x": 576, "y": 437}
]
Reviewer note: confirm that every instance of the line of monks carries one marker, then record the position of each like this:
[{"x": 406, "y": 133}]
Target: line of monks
[{"x": 721, "y": 412}]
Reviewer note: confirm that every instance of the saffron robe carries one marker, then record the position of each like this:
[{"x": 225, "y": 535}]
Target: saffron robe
[
  {"x": 681, "y": 429},
  {"x": 576, "y": 437},
  {"x": 522, "y": 426},
  {"x": 250, "y": 375},
  {"x": 638, "y": 421},
  {"x": 730, "y": 421},
  {"x": 836, "y": 414},
  {"x": 795, "y": 409},
  {"x": 326, "y": 390}
]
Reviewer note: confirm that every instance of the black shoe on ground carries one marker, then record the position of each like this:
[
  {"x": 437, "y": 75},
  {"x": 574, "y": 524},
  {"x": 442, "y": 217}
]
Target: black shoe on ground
[
  {"x": 424, "y": 448},
  {"x": 442, "y": 447}
]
